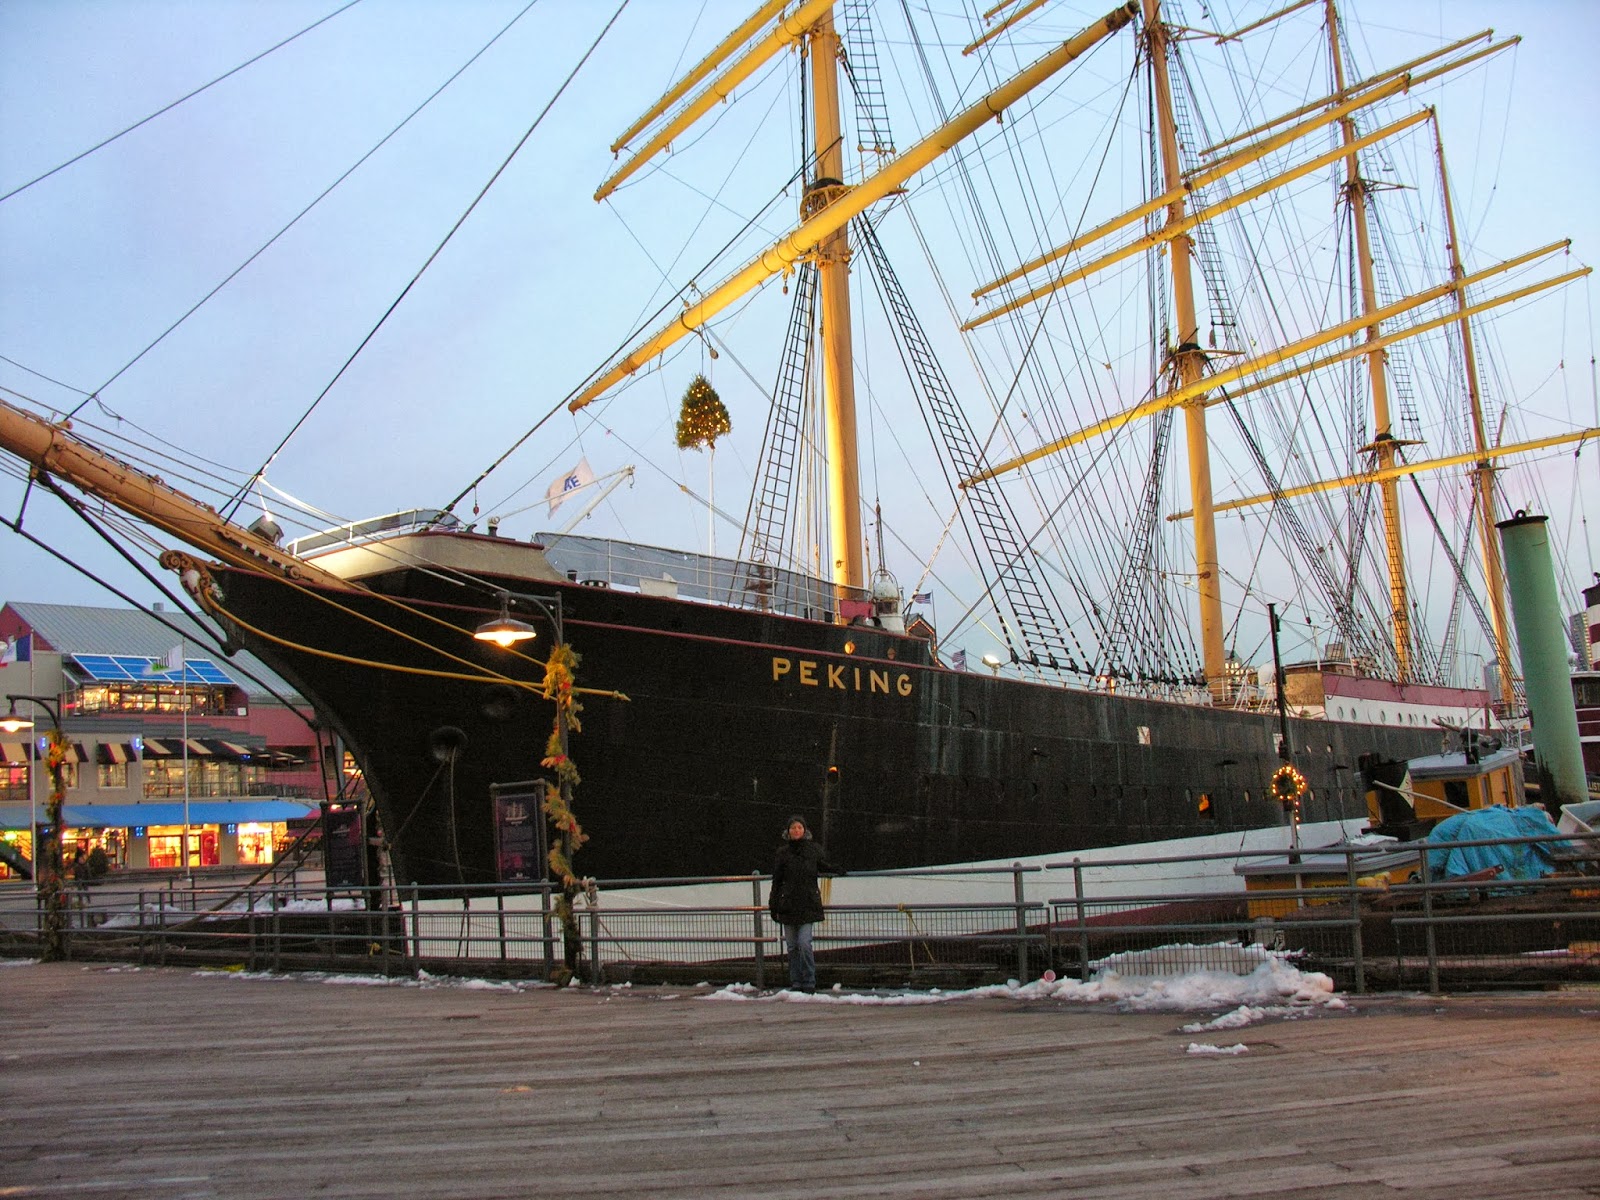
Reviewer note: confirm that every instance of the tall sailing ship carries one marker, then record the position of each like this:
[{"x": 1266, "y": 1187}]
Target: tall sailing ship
[{"x": 722, "y": 693}]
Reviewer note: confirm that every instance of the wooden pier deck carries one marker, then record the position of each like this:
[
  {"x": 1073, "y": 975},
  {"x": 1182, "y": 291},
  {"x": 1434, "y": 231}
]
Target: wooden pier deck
[{"x": 126, "y": 1082}]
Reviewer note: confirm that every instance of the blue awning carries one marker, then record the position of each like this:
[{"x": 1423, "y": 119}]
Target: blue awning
[{"x": 167, "y": 812}]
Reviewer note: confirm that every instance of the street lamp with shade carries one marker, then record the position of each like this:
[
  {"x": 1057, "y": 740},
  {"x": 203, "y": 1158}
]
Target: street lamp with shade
[
  {"x": 48, "y": 884},
  {"x": 506, "y": 631}
]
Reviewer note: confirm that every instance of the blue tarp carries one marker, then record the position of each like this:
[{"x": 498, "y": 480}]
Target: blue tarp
[{"x": 1529, "y": 860}]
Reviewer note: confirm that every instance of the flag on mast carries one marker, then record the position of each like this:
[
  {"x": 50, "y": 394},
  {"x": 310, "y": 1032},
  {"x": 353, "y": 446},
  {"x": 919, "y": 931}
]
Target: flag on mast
[
  {"x": 172, "y": 662},
  {"x": 579, "y": 477},
  {"x": 18, "y": 649},
  {"x": 922, "y": 598}
]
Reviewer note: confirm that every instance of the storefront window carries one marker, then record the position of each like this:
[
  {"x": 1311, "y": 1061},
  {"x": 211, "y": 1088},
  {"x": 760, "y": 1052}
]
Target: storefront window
[
  {"x": 256, "y": 843},
  {"x": 111, "y": 776},
  {"x": 166, "y": 846}
]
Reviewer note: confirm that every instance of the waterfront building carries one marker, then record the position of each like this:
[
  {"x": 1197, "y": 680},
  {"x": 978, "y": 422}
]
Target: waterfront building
[{"x": 157, "y": 722}]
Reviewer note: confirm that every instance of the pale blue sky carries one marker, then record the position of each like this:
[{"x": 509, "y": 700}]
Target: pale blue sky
[{"x": 541, "y": 284}]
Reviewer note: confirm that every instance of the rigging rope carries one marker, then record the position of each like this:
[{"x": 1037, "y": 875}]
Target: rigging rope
[
  {"x": 181, "y": 99},
  {"x": 294, "y": 220},
  {"x": 439, "y": 249}
]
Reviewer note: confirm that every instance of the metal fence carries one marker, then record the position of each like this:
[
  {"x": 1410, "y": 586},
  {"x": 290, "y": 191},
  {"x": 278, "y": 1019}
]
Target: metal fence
[{"x": 1371, "y": 917}]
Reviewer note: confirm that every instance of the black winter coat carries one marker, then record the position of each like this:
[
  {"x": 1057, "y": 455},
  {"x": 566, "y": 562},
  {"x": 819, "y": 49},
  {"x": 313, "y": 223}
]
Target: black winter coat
[{"x": 795, "y": 898}]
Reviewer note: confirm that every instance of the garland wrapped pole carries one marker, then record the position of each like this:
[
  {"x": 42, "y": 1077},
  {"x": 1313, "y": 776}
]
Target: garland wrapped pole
[
  {"x": 52, "y": 890},
  {"x": 558, "y": 680}
]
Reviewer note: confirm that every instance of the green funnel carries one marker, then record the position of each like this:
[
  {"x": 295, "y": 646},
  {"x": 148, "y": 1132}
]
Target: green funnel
[{"x": 1541, "y": 634}]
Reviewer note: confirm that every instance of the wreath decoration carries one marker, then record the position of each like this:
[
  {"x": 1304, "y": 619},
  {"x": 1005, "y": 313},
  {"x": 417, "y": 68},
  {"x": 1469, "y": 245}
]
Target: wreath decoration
[{"x": 1287, "y": 785}]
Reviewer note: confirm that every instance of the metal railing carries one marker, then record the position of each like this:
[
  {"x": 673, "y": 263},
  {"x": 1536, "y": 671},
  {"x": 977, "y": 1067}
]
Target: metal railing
[{"x": 1402, "y": 930}]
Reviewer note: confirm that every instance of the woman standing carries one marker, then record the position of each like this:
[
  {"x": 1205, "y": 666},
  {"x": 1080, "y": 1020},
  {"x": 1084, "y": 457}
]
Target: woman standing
[{"x": 795, "y": 901}]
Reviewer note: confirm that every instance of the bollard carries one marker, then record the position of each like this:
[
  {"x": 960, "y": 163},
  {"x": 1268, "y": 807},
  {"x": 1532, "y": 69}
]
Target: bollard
[{"x": 595, "y": 976}]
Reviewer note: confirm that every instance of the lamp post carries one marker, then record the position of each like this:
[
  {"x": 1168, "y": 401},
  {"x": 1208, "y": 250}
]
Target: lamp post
[
  {"x": 49, "y": 892},
  {"x": 506, "y": 631}
]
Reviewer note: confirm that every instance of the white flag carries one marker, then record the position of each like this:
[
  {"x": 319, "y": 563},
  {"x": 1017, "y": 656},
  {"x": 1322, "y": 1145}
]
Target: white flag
[
  {"x": 579, "y": 477},
  {"x": 173, "y": 662}
]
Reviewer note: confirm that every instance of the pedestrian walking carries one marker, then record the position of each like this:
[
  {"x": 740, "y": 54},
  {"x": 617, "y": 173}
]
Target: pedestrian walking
[
  {"x": 795, "y": 900},
  {"x": 80, "y": 885}
]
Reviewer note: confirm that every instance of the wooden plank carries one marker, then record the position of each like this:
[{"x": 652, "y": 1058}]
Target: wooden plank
[{"x": 146, "y": 1082}]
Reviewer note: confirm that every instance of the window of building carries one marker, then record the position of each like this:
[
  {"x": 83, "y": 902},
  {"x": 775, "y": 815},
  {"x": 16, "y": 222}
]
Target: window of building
[
  {"x": 146, "y": 698},
  {"x": 166, "y": 846},
  {"x": 206, "y": 777},
  {"x": 256, "y": 843},
  {"x": 111, "y": 776}
]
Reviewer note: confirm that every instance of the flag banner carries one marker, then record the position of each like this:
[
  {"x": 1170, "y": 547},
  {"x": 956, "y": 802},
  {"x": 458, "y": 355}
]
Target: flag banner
[
  {"x": 579, "y": 477},
  {"x": 19, "y": 649},
  {"x": 172, "y": 662},
  {"x": 958, "y": 660},
  {"x": 852, "y": 609},
  {"x": 922, "y": 598}
]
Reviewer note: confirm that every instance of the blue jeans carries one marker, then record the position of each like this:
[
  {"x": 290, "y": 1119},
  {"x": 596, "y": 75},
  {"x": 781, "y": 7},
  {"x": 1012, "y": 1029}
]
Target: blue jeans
[{"x": 802, "y": 964}]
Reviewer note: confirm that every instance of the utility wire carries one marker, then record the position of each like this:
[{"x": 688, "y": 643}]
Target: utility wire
[
  {"x": 100, "y": 145},
  {"x": 439, "y": 249},
  {"x": 293, "y": 221}
]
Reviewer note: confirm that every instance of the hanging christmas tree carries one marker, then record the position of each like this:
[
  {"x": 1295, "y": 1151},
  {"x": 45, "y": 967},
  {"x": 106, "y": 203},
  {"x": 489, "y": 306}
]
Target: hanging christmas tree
[{"x": 703, "y": 417}]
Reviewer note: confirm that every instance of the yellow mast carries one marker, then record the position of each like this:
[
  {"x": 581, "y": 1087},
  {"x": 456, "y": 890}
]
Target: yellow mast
[
  {"x": 725, "y": 50},
  {"x": 787, "y": 31},
  {"x": 1399, "y": 471},
  {"x": 1383, "y": 441},
  {"x": 805, "y": 240},
  {"x": 1494, "y": 581},
  {"x": 1188, "y": 360},
  {"x": 1283, "y": 354},
  {"x": 833, "y": 290}
]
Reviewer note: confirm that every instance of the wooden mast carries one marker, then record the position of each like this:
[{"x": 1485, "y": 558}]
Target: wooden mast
[
  {"x": 52, "y": 448},
  {"x": 1188, "y": 361},
  {"x": 1383, "y": 440},
  {"x": 1494, "y": 580},
  {"x": 833, "y": 290}
]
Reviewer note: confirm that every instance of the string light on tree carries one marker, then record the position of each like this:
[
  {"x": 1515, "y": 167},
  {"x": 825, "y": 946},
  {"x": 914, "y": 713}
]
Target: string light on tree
[{"x": 703, "y": 417}]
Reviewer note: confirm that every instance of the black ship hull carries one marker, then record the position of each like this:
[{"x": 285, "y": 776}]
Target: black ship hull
[{"x": 735, "y": 718}]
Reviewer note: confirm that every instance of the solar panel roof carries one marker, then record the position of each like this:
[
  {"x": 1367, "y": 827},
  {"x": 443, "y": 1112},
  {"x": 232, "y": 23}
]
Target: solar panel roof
[{"x": 127, "y": 668}]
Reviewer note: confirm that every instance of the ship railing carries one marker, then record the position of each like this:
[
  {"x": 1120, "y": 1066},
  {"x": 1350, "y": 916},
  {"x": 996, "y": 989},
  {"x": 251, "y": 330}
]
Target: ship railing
[{"x": 1371, "y": 917}]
